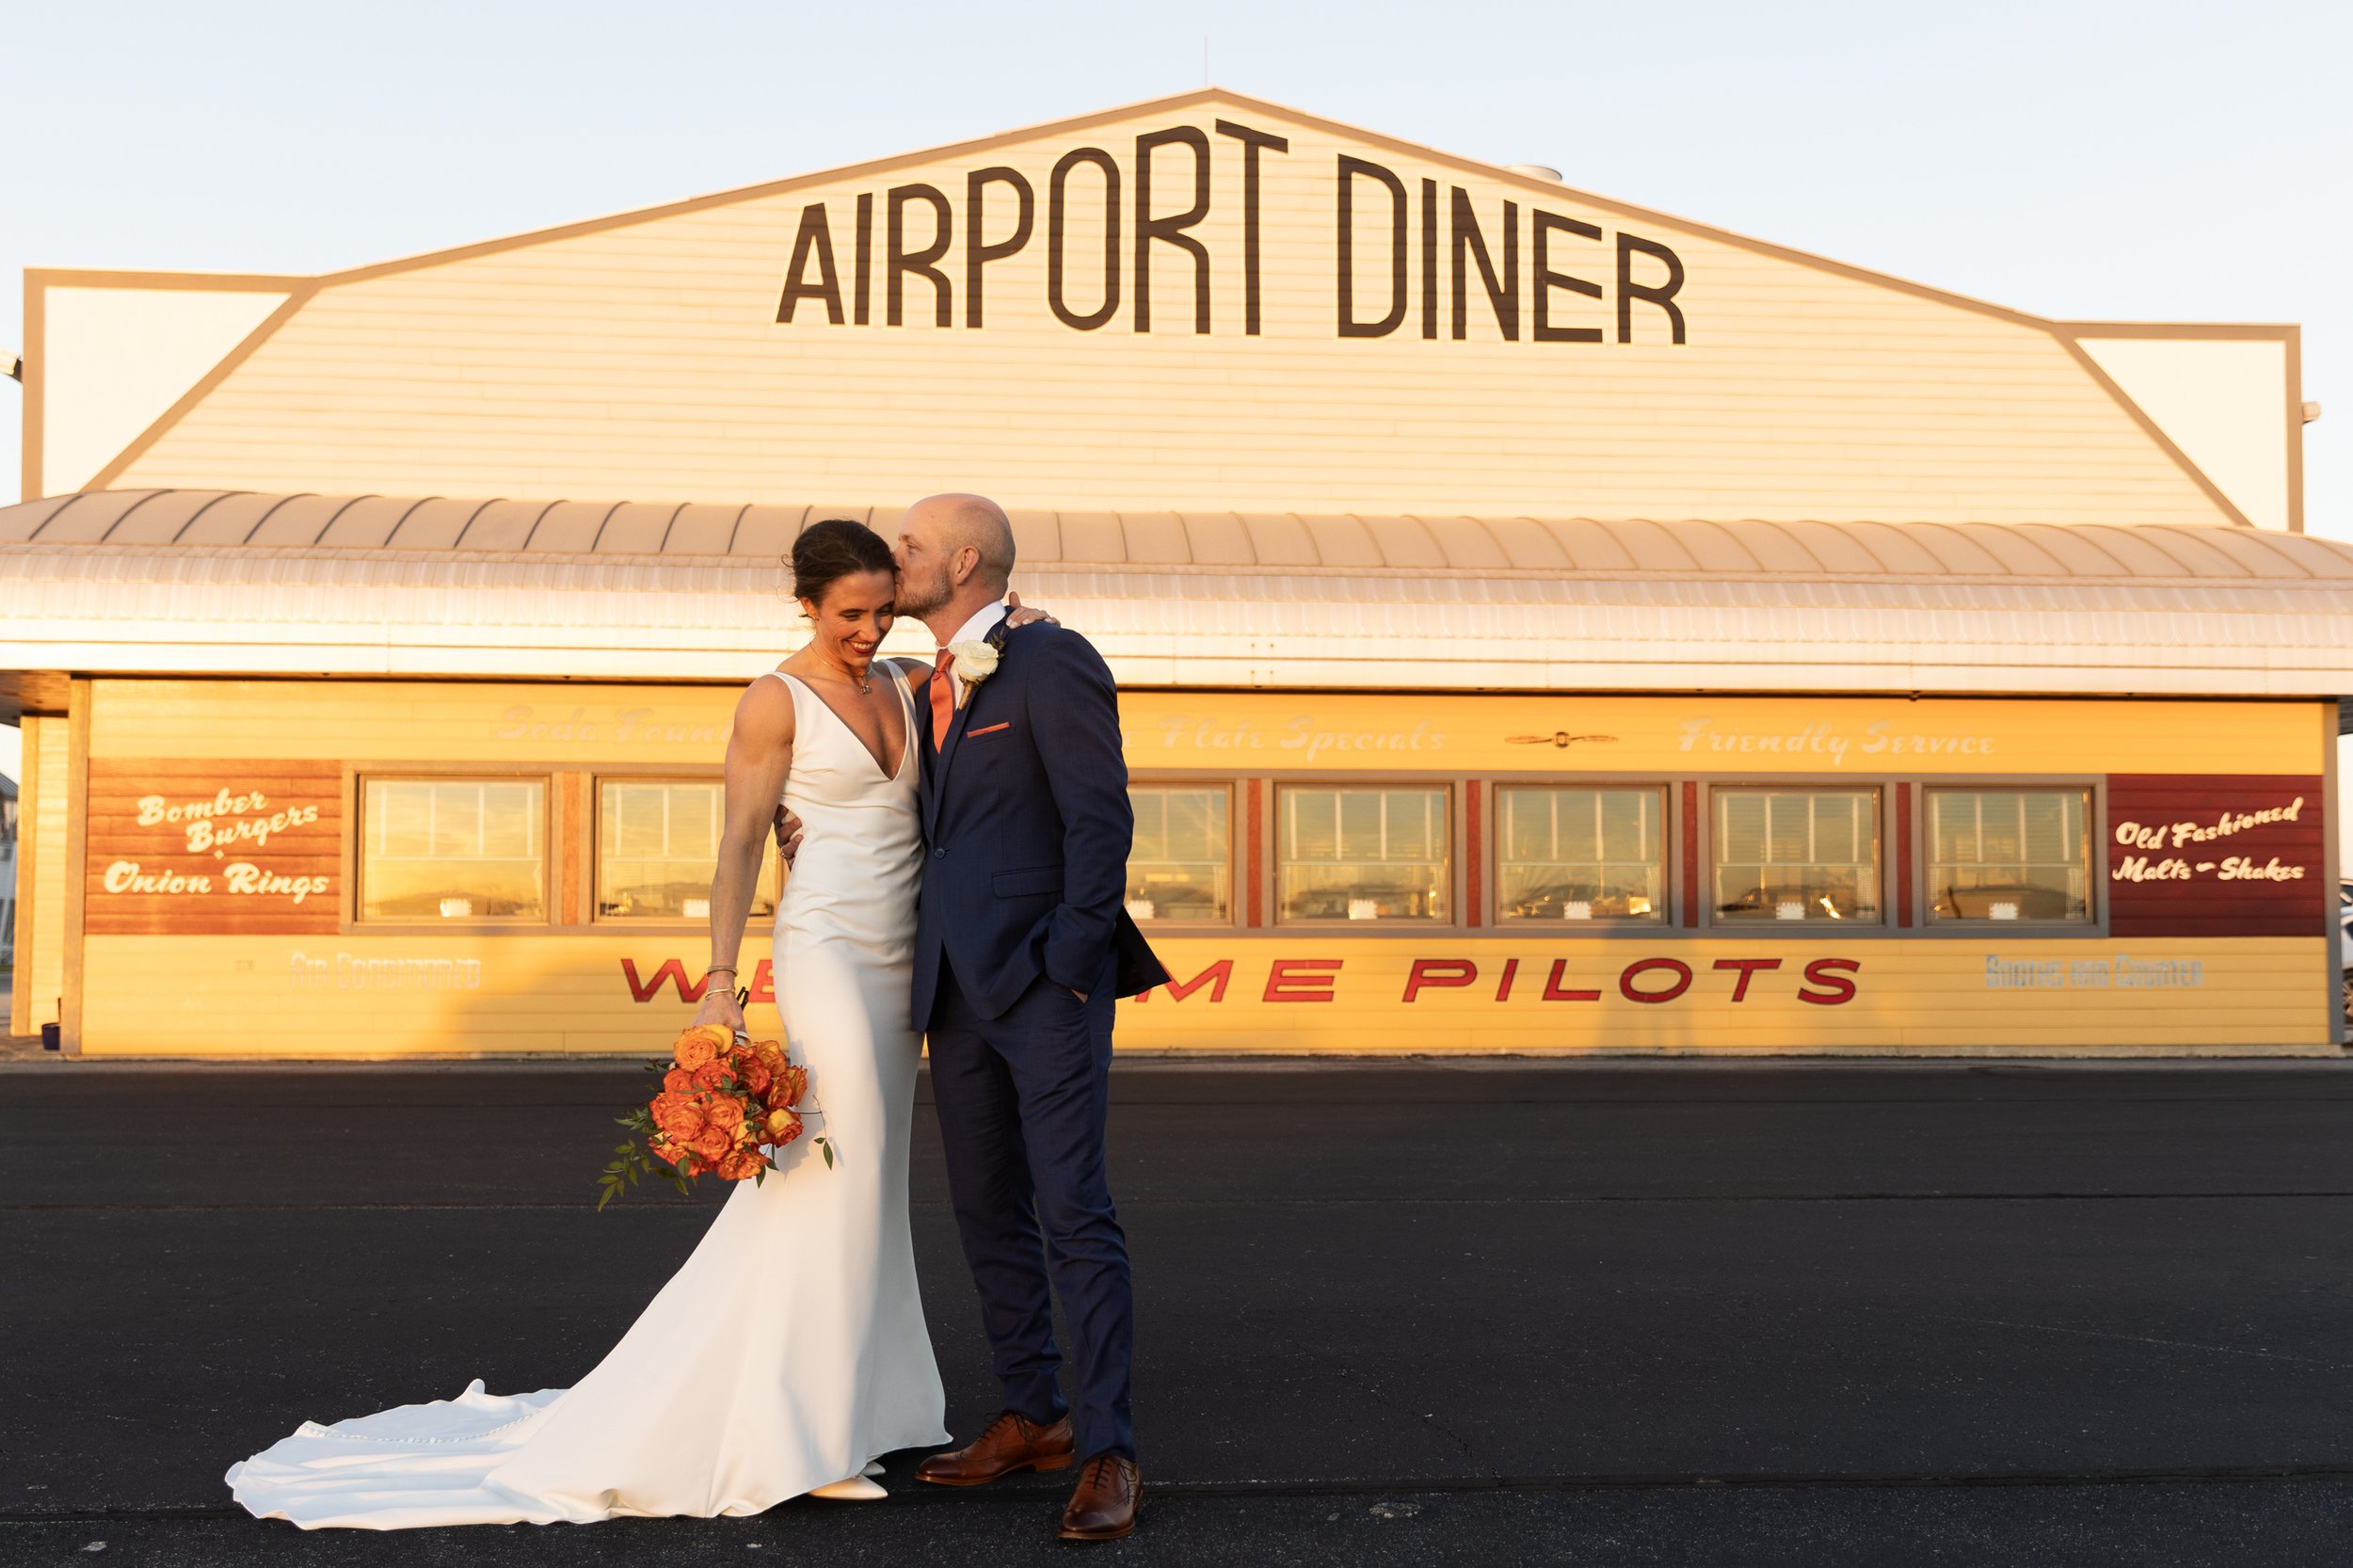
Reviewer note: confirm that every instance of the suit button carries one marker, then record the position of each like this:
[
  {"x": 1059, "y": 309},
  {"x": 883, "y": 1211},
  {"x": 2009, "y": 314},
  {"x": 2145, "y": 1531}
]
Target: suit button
[{"x": 941, "y": 853}]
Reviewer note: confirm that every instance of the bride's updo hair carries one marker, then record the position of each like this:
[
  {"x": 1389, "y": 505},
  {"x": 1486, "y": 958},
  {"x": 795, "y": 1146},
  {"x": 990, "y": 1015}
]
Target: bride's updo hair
[{"x": 829, "y": 551}]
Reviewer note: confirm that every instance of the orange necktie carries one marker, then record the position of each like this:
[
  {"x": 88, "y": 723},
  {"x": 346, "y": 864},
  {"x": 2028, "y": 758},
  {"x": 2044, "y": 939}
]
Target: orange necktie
[{"x": 943, "y": 697}]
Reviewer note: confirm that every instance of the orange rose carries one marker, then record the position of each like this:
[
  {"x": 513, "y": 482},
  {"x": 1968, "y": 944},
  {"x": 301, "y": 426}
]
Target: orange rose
[
  {"x": 796, "y": 1086},
  {"x": 738, "y": 1167},
  {"x": 755, "y": 1075},
  {"x": 678, "y": 1116},
  {"x": 694, "y": 1047},
  {"x": 711, "y": 1142},
  {"x": 726, "y": 1114},
  {"x": 711, "y": 1074},
  {"x": 677, "y": 1081},
  {"x": 783, "y": 1127},
  {"x": 769, "y": 1052}
]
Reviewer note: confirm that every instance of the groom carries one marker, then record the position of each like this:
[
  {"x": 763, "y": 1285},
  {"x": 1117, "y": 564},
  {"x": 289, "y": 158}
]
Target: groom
[{"x": 1022, "y": 944}]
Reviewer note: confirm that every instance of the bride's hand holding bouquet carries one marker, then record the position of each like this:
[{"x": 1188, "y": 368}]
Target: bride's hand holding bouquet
[
  {"x": 720, "y": 1004},
  {"x": 726, "y": 1104}
]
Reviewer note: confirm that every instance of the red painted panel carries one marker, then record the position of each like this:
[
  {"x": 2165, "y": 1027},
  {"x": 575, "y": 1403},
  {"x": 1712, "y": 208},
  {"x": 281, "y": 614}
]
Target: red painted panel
[
  {"x": 181, "y": 848},
  {"x": 2215, "y": 854},
  {"x": 1254, "y": 859},
  {"x": 1902, "y": 851},
  {"x": 1472, "y": 855},
  {"x": 1690, "y": 854}
]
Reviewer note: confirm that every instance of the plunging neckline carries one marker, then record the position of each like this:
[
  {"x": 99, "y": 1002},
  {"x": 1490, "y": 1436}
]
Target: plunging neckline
[{"x": 906, "y": 715}]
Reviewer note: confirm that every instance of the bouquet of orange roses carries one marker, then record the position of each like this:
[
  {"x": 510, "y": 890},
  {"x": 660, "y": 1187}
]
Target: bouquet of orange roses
[{"x": 726, "y": 1104}]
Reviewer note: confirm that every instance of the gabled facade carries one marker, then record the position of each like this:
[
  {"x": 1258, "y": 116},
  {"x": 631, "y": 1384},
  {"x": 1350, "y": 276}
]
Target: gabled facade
[{"x": 1202, "y": 303}]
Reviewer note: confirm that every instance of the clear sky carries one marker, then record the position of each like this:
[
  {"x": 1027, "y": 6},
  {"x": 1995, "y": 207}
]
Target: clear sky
[{"x": 2143, "y": 161}]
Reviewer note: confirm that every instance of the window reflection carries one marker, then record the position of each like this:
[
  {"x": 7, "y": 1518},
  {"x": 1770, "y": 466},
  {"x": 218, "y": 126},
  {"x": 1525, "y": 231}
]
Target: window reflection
[
  {"x": 1362, "y": 854},
  {"x": 1796, "y": 855},
  {"x": 2009, "y": 855},
  {"x": 657, "y": 844},
  {"x": 434, "y": 849},
  {"x": 1181, "y": 866},
  {"x": 1580, "y": 853}
]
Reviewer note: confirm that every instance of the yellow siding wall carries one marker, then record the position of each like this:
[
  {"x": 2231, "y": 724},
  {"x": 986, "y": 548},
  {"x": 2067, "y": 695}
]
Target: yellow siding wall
[
  {"x": 645, "y": 361},
  {"x": 1918, "y": 994},
  {"x": 350, "y": 996},
  {"x": 366, "y": 994},
  {"x": 1244, "y": 732},
  {"x": 496, "y": 995}
]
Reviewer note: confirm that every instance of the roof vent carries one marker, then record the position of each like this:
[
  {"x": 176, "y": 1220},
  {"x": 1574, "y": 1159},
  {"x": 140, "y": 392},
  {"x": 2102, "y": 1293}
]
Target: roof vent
[{"x": 1536, "y": 171}]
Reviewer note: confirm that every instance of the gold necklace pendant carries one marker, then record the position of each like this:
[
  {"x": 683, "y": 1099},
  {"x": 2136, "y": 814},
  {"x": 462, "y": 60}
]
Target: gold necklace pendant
[{"x": 863, "y": 682}]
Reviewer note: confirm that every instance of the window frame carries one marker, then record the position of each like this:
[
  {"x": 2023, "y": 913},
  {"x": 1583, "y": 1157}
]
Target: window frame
[
  {"x": 1671, "y": 917},
  {"x": 356, "y": 922},
  {"x": 593, "y": 852},
  {"x": 1949, "y": 928},
  {"x": 1452, "y": 791},
  {"x": 1237, "y": 832},
  {"x": 1704, "y": 917}
]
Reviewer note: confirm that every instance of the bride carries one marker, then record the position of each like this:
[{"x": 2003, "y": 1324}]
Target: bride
[{"x": 790, "y": 1352}]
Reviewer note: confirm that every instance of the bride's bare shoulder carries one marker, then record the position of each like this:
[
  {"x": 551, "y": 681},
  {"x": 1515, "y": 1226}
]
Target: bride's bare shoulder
[{"x": 766, "y": 709}]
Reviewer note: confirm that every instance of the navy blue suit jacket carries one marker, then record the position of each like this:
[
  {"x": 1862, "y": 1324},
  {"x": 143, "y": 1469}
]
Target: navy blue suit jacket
[{"x": 1027, "y": 828}]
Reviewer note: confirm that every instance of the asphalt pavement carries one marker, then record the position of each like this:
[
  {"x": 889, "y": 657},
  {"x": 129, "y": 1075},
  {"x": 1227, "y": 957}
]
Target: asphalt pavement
[{"x": 1687, "y": 1312}]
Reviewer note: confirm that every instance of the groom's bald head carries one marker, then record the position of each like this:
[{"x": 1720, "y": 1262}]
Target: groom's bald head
[{"x": 956, "y": 522}]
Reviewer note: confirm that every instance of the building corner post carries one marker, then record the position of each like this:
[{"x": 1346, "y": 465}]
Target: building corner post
[{"x": 75, "y": 882}]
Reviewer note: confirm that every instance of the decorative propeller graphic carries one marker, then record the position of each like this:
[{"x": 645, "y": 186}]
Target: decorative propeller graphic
[{"x": 1559, "y": 738}]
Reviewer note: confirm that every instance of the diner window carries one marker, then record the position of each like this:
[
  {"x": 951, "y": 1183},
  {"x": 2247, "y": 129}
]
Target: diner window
[
  {"x": 1796, "y": 854},
  {"x": 453, "y": 849},
  {"x": 657, "y": 844},
  {"x": 1180, "y": 867},
  {"x": 1578, "y": 854},
  {"x": 2009, "y": 855},
  {"x": 1362, "y": 854}
]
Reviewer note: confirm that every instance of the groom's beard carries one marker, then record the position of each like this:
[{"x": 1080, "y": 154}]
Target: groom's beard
[{"x": 918, "y": 598}]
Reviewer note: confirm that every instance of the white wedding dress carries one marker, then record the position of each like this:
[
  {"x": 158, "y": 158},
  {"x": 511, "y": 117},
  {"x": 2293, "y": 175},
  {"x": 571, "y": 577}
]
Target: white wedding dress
[{"x": 791, "y": 1350}]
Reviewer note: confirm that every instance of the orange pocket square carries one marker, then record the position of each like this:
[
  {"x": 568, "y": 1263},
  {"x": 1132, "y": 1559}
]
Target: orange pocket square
[{"x": 991, "y": 729}]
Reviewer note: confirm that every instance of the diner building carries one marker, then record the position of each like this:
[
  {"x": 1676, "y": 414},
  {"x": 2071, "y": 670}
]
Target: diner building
[{"x": 1544, "y": 625}]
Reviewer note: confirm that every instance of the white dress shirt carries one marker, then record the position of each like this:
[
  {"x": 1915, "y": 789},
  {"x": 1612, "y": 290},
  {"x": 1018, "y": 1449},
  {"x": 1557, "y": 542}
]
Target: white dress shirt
[{"x": 978, "y": 627}]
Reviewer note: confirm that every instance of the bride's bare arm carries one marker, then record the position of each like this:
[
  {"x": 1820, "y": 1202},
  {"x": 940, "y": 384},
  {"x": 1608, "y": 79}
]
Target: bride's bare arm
[{"x": 759, "y": 754}]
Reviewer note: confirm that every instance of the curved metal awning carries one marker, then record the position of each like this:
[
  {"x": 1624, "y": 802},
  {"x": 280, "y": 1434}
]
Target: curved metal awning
[{"x": 188, "y": 581}]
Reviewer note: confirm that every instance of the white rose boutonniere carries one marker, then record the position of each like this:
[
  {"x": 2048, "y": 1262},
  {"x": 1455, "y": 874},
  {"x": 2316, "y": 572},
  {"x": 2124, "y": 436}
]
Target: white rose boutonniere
[{"x": 976, "y": 661}]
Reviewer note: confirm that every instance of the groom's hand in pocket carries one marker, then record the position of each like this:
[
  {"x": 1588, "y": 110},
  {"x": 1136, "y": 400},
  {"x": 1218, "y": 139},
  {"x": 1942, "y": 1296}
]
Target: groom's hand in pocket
[{"x": 787, "y": 834}]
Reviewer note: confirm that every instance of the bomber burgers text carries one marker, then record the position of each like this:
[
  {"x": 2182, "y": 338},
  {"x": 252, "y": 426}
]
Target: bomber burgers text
[{"x": 1438, "y": 258}]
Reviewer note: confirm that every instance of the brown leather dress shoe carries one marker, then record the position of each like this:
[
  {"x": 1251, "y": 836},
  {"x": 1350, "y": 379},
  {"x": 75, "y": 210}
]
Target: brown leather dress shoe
[
  {"x": 1104, "y": 1507},
  {"x": 1011, "y": 1443}
]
